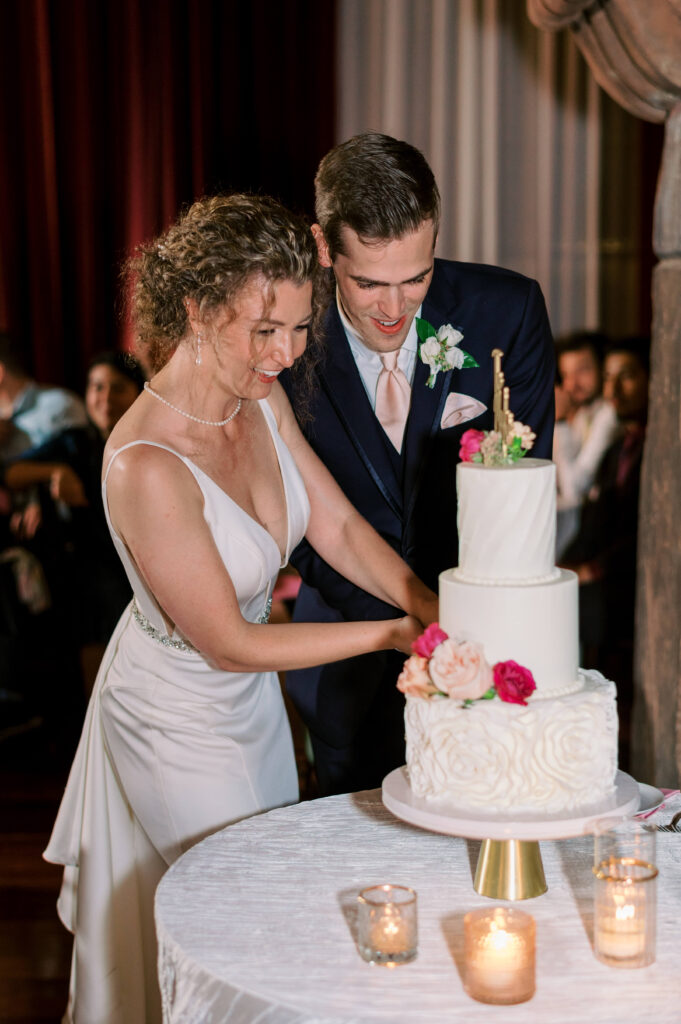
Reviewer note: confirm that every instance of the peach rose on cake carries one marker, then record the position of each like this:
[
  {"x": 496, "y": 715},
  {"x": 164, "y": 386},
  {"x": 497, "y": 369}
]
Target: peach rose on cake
[
  {"x": 414, "y": 680},
  {"x": 460, "y": 670}
]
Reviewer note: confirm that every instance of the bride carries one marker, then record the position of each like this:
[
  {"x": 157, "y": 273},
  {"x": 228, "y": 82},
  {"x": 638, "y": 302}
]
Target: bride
[{"x": 208, "y": 485}]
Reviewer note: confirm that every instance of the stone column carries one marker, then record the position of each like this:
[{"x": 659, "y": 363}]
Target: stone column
[{"x": 634, "y": 50}]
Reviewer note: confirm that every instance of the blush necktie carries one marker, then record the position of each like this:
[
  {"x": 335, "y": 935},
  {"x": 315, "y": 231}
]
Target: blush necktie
[{"x": 393, "y": 395}]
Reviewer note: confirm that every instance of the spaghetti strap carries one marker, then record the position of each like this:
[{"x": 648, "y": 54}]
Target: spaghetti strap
[{"x": 133, "y": 444}]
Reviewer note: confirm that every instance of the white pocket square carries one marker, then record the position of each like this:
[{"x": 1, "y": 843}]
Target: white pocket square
[{"x": 459, "y": 409}]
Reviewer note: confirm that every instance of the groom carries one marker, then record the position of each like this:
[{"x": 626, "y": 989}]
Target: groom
[{"x": 390, "y": 440}]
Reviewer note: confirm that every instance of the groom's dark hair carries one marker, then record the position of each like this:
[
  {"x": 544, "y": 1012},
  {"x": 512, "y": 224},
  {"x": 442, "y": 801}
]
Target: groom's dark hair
[{"x": 380, "y": 187}]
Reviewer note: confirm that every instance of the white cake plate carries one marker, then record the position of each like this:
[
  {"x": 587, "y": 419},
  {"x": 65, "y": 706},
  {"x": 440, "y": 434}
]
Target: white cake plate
[
  {"x": 509, "y": 864},
  {"x": 439, "y": 816}
]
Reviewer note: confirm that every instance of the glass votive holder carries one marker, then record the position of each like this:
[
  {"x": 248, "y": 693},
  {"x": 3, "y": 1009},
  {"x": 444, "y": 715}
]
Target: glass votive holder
[
  {"x": 625, "y": 892},
  {"x": 386, "y": 924},
  {"x": 617, "y": 838},
  {"x": 499, "y": 955}
]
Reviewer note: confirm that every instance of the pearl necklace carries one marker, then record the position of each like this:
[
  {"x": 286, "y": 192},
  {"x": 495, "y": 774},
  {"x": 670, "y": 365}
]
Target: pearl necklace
[{"x": 197, "y": 419}]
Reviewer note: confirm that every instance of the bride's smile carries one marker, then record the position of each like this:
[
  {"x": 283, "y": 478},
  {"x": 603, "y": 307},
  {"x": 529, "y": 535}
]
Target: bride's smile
[{"x": 266, "y": 336}]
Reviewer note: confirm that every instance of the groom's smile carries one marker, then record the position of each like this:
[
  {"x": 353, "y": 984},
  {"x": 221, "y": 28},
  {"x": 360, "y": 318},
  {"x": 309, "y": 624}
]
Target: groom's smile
[{"x": 381, "y": 284}]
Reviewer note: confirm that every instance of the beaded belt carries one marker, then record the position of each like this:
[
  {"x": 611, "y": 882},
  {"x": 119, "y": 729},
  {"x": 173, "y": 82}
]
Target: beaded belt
[
  {"x": 173, "y": 642},
  {"x": 158, "y": 635},
  {"x": 265, "y": 617}
]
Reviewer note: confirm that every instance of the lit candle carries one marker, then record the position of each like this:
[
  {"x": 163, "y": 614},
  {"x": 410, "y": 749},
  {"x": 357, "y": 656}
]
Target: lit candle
[
  {"x": 500, "y": 953},
  {"x": 387, "y": 932},
  {"x": 621, "y": 935}
]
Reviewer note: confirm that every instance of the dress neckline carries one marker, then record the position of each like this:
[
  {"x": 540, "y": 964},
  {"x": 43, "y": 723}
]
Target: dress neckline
[{"x": 269, "y": 420}]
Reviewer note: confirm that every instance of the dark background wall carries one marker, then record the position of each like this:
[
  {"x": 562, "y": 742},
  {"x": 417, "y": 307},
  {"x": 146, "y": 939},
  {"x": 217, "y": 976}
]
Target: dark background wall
[{"x": 114, "y": 114}]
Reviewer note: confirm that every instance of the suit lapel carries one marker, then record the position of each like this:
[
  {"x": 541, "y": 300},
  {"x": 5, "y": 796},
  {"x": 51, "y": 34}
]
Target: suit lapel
[
  {"x": 427, "y": 404},
  {"x": 345, "y": 391}
]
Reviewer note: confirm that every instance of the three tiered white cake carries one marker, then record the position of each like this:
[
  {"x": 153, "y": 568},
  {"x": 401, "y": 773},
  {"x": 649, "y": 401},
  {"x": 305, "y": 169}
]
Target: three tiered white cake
[{"x": 557, "y": 752}]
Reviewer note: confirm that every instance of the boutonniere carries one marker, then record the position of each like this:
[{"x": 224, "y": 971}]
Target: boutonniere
[{"x": 439, "y": 349}]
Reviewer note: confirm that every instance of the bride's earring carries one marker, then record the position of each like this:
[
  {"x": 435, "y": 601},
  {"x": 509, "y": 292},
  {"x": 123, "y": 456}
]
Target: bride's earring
[{"x": 198, "y": 350}]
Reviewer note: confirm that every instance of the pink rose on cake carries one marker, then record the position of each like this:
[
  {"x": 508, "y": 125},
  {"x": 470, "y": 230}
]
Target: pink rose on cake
[
  {"x": 414, "y": 680},
  {"x": 513, "y": 683},
  {"x": 460, "y": 670}
]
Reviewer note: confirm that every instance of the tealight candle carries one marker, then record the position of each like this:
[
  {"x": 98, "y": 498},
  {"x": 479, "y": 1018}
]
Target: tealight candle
[
  {"x": 499, "y": 955},
  {"x": 387, "y": 928}
]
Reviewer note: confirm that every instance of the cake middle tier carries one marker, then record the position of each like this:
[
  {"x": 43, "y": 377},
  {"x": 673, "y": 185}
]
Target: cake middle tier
[{"x": 535, "y": 626}]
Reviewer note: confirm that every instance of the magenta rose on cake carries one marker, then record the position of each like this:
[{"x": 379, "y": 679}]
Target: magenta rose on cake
[
  {"x": 429, "y": 640},
  {"x": 459, "y": 670},
  {"x": 470, "y": 444},
  {"x": 513, "y": 683}
]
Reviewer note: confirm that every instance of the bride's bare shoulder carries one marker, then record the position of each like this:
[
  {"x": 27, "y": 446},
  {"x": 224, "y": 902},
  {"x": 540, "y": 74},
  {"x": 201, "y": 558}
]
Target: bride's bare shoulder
[
  {"x": 135, "y": 426},
  {"x": 138, "y": 455}
]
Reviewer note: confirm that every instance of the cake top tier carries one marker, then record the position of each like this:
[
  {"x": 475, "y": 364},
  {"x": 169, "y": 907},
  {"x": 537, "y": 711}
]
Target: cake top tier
[{"x": 507, "y": 522}]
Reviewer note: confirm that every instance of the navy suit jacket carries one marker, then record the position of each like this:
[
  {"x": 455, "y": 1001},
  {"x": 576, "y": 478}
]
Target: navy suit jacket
[{"x": 411, "y": 501}]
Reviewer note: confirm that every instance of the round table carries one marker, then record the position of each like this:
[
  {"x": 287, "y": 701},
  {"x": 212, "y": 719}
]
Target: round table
[{"x": 257, "y": 923}]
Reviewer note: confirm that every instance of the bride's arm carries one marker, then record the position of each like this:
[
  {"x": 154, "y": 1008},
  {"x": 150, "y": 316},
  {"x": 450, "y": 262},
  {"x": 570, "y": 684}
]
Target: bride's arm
[
  {"x": 343, "y": 537},
  {"x": 156, "y": 507}
]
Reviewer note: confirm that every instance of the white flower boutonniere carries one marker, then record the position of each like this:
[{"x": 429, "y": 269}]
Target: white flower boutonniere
[{"x": 439, "y": 349}]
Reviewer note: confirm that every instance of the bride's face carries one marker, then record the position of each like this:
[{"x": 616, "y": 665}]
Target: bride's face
[{"x": 267, "y": 335}]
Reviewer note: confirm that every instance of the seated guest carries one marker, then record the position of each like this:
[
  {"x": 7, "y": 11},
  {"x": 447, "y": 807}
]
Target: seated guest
[
  {"x": 585, "y": 426},
  {"x": 30, "y": 413},
  {"x": 77, "y": 538},
  {"x": 604, "y": 551}
]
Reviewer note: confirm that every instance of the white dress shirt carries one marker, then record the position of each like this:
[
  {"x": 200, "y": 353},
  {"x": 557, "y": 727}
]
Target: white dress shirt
[
  {"x": 579, "y": 446},
  {"x": 369, "y": 362}
]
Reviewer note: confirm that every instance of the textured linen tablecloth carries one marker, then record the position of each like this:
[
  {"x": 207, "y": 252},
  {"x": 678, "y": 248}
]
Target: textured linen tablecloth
[{"x": 257, "y": 923}]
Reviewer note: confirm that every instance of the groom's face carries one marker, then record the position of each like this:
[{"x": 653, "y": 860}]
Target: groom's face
[{"x": 381, "y": 284}]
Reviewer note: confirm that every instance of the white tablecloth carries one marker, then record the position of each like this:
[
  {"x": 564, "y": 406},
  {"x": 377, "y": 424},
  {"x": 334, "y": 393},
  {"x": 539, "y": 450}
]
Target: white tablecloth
[{"x": 256, "y": 923}]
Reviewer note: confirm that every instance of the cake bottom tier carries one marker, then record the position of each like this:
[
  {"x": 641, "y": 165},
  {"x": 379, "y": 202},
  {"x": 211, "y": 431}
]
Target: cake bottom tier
[{"x": 553, "y": 755}]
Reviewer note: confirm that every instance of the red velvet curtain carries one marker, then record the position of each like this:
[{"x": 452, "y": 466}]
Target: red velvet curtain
[{"x": 115, "y": 113}]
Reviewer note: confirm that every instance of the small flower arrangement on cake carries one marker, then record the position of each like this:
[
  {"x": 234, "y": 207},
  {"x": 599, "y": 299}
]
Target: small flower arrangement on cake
[
  {"x": 509, "y": 440},
  {"x": 443, "y": 667},
  {"x": 488, "y": 447}
]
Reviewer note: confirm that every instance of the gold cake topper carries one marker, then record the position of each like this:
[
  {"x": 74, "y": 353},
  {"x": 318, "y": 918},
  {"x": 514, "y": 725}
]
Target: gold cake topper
[{"x": 503, "y": 417}]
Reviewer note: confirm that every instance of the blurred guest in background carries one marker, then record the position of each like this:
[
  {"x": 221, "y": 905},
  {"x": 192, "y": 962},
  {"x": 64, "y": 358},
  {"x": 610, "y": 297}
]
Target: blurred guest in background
[
  {"x": 87, "y": 581},
  {"x": 30, "y": 413},
  {"x": 585, "y": 425},
  {"x": 604, "y": 551}
]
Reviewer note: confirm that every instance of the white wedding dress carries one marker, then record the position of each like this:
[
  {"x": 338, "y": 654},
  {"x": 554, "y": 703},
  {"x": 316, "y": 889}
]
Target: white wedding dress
[{"x": 172, "y": 749}]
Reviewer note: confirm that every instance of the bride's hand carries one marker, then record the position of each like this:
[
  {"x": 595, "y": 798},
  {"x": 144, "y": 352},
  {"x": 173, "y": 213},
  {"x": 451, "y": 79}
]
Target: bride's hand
[
  {"x": 428, "y": 610},
  {"x": 405, "y": 631}
]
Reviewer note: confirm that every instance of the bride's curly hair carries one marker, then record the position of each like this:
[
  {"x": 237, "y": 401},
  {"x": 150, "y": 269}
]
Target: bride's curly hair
[{"x": 214, "y": 249}]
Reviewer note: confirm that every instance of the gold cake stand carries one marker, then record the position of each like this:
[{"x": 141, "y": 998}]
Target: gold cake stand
[{"x": 509, "y": 863}]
